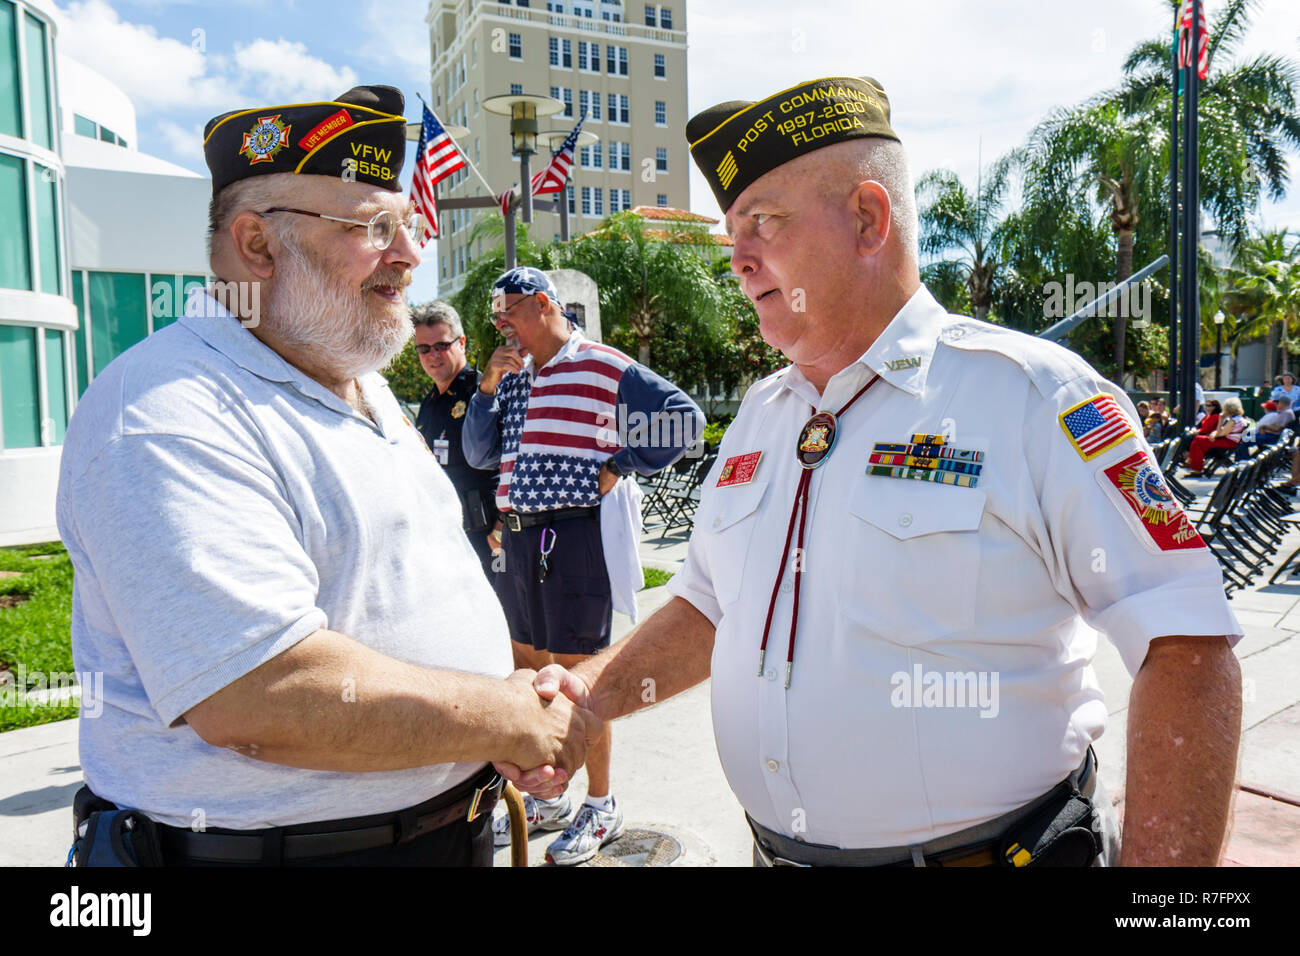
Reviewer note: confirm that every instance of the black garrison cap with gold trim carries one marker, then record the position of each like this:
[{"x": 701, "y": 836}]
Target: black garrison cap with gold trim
[
  {"x": 360, "y": 136},
  {"x": 737, "y": 142}
]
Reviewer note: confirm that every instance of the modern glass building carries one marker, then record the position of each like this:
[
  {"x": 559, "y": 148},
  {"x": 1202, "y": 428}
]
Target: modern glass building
[
  {"x": 89, "y": 263},
  {"x": 37, "y": 315}
]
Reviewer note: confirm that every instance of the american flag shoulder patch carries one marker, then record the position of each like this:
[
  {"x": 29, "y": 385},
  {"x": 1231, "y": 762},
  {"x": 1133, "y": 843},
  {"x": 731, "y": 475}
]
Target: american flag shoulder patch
[{"x": 1095, "y": 425}]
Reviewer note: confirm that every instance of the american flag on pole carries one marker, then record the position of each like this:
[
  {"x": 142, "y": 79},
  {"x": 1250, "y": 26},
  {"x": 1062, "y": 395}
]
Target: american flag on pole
[
  {"x": 553, "y": 178},
  {"x": 1185, "y": 39},
  {"x": 505, "y": 198},
  {"x": 1096, "y": 425},
  {"x": 436, "y": 158}
]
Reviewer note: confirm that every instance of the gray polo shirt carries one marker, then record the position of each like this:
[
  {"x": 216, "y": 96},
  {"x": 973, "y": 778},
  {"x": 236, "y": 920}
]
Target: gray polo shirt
[{"x": 219, "y": 506}]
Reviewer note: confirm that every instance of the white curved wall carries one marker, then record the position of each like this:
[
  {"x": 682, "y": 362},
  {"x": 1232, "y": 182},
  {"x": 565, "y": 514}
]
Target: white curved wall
[{"x": 90, "y": 94}]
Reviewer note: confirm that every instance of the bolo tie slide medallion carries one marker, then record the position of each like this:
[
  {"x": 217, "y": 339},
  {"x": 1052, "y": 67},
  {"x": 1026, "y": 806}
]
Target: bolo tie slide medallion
[{"x": 817, "y": 440}]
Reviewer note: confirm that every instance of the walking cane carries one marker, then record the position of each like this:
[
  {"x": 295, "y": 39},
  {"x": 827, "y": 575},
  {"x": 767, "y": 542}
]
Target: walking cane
[{"x": 518, "y": 826}]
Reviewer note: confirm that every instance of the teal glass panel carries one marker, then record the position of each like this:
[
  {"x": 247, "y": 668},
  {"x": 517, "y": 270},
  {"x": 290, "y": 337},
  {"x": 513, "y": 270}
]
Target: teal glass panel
[
  {"x": 56, "y": 385},
  {"x": 47, "y": 228},
  {"x": 19, "y": 406},
  {"x": 11, "y": 107},
  {"x": 166, "y": 299},
  {"x": 15, "y": 257},
  {"x": 39, "y": 107},
  {"x": 118, "y": 314},
  {"x": 79, "y": 297},
  {"x": 107, "y": 135},
  {"x": 83, "y": 127}
]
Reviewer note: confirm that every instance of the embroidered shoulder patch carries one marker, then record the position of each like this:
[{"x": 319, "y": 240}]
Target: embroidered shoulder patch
[
  {"x": 1139, "y": 491},
  {"x": 1096, "y": 425}
]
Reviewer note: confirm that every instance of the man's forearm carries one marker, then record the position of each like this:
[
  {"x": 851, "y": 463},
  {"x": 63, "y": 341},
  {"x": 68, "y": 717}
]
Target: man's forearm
[
  {"x": 1184, "y": 728},
  {"x": 330, "y": 703},
  {"x": 666, "y": 655}
]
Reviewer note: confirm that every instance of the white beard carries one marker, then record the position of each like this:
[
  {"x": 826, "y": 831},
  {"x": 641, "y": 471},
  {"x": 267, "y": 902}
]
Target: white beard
[{"x": 329, "y": 321}]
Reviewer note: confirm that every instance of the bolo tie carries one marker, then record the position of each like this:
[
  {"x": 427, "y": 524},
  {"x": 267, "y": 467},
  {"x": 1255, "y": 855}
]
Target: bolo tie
[{"x": 816, "y": 442}]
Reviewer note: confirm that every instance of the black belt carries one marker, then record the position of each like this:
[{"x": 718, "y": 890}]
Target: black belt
[
  {"x": 517, "y": 522},
  {"x": 953, "y": 852},
  {"x": 464, "y": 802}
]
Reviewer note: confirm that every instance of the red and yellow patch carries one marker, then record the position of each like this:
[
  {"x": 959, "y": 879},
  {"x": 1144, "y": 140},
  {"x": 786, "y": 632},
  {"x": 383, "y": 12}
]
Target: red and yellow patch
[
  {"x": 739, "y": 470},
  {"x": 1139, "y": 490}
]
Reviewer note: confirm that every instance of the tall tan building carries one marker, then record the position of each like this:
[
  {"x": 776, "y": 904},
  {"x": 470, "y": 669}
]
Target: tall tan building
[{"x": 622, "y": 63}]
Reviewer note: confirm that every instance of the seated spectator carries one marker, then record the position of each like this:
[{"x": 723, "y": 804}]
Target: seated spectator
[
  {"x": 1144, "y": 413},
  {"x": 1157, "y": 424},
  {"x": 1279, "y": 418},
  {"x": 1228, "y": 434},
  {"x": 1288, "y": 389},
  {"x": 1210, "y": 422}
]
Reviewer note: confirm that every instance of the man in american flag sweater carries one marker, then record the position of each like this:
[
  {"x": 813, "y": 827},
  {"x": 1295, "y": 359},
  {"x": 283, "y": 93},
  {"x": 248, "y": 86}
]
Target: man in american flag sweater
[{"x": 553, "y": 410}]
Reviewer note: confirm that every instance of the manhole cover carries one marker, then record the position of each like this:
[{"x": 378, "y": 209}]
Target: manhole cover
[{"x": 639, "y": 848}]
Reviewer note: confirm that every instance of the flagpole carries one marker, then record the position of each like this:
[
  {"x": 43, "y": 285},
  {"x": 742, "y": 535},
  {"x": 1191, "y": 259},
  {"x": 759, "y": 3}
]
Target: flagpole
[{"x": 464, "y": 155}]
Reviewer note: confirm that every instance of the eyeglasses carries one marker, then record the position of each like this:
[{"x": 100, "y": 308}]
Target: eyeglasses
[
  {"x": 497, "y": 316},
  {"x": 381, "y": 230},
  {"x": 436, "y": 346}
]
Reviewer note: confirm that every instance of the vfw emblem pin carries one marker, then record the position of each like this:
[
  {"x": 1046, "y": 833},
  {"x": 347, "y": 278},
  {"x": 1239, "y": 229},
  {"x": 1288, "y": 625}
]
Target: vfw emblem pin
[{"x": 264, "y": 140}]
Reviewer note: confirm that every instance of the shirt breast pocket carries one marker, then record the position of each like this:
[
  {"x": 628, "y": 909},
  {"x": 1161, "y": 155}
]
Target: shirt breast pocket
[
  {"x": 727, "y": 514},
  {"x": 918, "y": 567}
]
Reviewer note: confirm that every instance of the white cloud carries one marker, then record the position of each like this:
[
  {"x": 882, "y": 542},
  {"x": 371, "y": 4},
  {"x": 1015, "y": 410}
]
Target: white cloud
[
  {"x": 283, "y": 71},
  {"x": 154, "y": 71},
  {"x": 184, "y": 141},
  {"x": 395, "y": 36}
]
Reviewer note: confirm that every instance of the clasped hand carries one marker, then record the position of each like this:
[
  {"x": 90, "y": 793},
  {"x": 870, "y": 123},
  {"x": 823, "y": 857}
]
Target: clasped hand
[{"x": 564, "y": 727}]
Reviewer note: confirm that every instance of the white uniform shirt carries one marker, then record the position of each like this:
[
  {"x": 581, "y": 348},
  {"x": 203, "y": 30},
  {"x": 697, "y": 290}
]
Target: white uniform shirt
[
  {"x": 219, "y": 506},
  {"x": 987, "y": 587}
]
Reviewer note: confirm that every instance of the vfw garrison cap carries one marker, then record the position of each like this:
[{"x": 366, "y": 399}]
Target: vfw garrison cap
[
  {"x": 735, "y": 143},
  {"x": 359, "y": 136}
]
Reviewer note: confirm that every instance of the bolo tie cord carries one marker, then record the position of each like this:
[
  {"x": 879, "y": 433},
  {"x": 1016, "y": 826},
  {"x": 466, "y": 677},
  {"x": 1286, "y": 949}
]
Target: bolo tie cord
[{"x": 798, "y": 511}]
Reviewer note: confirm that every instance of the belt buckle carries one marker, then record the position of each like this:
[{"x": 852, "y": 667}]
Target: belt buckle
[
  {"x": 477, "y": 798},
  {"x": 773, "y": 860},
  {"x": 512, "y": 521}
]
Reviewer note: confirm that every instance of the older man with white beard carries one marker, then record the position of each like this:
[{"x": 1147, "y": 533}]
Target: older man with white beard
[{"x": 254, "y": 526}]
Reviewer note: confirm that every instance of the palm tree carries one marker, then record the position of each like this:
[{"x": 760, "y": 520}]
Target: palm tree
[
  {"x": 953, "y": 218},
  {"x": 1266, "y": 279},
  {"x": 649, "y": 275},
  {"x": 1118, "y": 143}
]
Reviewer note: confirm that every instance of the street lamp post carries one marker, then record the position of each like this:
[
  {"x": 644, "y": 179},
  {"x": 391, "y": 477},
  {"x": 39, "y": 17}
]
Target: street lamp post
[{"x": 1218, "y": 349}]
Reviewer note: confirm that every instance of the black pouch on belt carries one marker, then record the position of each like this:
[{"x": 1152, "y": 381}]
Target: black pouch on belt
[
  {"x": 1064, "y": 831},
  {"x": 112, "y": 836}
]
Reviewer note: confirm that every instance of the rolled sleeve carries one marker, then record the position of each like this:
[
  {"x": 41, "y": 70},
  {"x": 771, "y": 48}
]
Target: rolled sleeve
[
  {"x": 1127, "y": 572},
  {"x": 196, "y": 556},
  {"x": 693, "y": 585}
]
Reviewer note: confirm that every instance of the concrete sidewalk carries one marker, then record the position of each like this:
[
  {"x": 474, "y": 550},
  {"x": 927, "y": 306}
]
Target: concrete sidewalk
[{"x": 668, "y": 779}]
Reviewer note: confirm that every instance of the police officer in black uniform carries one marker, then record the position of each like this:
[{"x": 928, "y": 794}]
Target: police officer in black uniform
[{"x": 440, "y": 343}]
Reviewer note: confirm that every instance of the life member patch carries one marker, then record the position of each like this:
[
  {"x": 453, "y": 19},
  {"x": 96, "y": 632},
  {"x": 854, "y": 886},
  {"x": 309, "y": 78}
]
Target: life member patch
[
  {"x": 1096, "y": 425},
  {"x": 1139, "y": 491},
  {"x": 739, "y": 470}
]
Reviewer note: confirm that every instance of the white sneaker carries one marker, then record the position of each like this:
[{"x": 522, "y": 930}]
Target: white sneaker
[
  {"x": 540, "y": 814},
  {"x": 591, "y": 829}
]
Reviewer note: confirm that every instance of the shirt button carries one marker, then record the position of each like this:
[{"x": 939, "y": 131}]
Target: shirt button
[
  {"x": 787, "y": 587},
  {"x": 904, "y": 520},
  {"x": 771, "y": 674},
  {"x": 774, "y": 765},
  {"x": 717, "y": 521}
]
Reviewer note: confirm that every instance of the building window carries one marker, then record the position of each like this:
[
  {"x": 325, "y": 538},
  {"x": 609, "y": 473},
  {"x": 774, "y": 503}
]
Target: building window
[
  {"x": 11, "y": 107},
  {"x": 47, "y": 228},
  {"x": 616, "y": 60},
  {"x": 661, "y": 159},
  {"x": 476, "y": 159},
  {"x": 554, "y": 44},
  {"x": 83, "y": 127},
  {"x": 516, "y": 50},
  {"x": 474, "y": 51},
  {"x": 620, "y": 157},
  {"x": 567, "y": 56},
  {"x": 56, "y": 383},
  {"x": 589, "y": 56},
  {"x": 661, "y": 67},
  {"x": 661, "y": 200},
  {"x": 19, "y": 382},
  {"x": 516, "y": 89},
  {"x": 569, "y": 192},
  {"x": 38, "y": 83},
  {"x": 589, "y": 103},
  {"x": 618, "y": 108},
  {"x": 627, "y": 199},
  {"x": 598, "y": 203},
  {"x": 665, "y": 18},
  {"x": 649, "y": 15},
  {"x": 476, "y": 101},
  {"x": 564, "y": 94},
  {"x": 15, "y": 249},
  {"x": 586, "y": 200},
  {"x": 119, "y": 314},
  {"x": 661, "y": 113}
]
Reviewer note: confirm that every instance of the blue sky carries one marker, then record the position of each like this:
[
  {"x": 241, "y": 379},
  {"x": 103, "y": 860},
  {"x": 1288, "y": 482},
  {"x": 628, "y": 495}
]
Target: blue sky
[{"x": 965, "y": 80}]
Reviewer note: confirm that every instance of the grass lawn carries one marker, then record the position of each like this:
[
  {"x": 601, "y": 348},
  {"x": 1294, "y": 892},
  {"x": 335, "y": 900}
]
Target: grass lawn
[
  {"x": 35, "y": 633},
  {"x": 654, "y": 577}
]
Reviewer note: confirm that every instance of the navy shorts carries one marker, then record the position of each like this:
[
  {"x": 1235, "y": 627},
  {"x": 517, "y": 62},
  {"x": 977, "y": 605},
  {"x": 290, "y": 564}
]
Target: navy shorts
[{"x": 569, "y": 612}]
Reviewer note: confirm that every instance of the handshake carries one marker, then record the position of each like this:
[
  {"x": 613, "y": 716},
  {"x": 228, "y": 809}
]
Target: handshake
[{"x": 551, "y": 728}]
